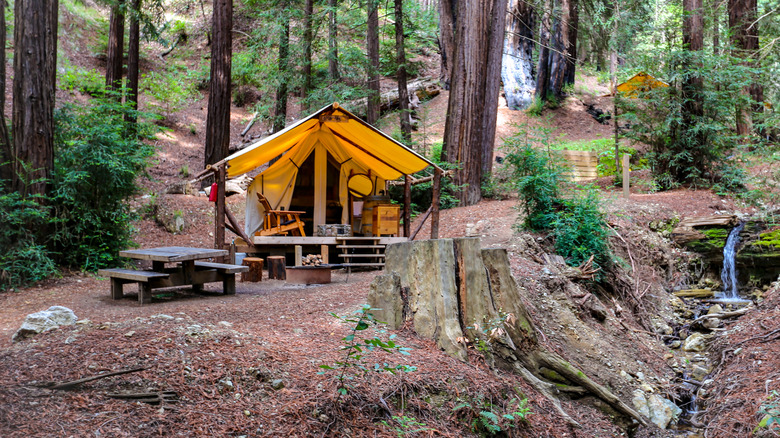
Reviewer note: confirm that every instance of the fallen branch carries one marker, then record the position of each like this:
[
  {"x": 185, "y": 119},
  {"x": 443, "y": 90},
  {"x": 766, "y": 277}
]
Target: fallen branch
[
  {"x": 694, "y": 293},
  {"x": 67, "y": 386},
  {"x": 723, "y": 315},
  {"x": 151, "y": 398}
]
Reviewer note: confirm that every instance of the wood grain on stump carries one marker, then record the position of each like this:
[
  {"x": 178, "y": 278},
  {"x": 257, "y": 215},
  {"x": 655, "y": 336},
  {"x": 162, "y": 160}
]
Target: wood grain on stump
[
  {"x": 276, "y": 268},
  {"x": 255, "y": 272}
]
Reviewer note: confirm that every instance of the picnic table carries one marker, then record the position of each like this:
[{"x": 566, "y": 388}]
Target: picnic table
[{"x": 189, "y": 268}]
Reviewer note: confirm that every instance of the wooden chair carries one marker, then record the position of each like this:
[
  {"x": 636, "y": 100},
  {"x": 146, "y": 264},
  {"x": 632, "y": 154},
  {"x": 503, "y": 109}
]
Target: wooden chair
[{"x": 280, "y": 222}]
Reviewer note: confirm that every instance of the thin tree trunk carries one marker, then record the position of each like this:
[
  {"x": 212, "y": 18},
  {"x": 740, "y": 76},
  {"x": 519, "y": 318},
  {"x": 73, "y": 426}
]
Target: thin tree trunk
[
  {"x": 133, "y": 60},
  {"x": 333, "y": 48},
  {"x": 6, "y": 170},
  {"x": 572, "y": 18},
  {"x": 116, "y": 46},
  {"x": 470, "y": 113},
  {"x": 400, "y": 58},
  {"x": 543, "y": 67},
  {"x": 448, "y": 18},
  {"x": 35, "y": 63},
  {"x": 372, "y": 49},
  {"x": 496, "y": 35},
  {"x": 308, "y": 11},
  {"x": 744, "y": 31},
  {"x": 218, "y": 117},
  {"x": 281, "y": 92},
  {"x": 693, "y": 42}
]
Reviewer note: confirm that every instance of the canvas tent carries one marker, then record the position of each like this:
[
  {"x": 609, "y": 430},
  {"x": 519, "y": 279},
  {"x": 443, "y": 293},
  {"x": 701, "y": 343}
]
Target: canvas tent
[
  {"x": 328, "y": 146},
  {"x": 640, "y": 82}
]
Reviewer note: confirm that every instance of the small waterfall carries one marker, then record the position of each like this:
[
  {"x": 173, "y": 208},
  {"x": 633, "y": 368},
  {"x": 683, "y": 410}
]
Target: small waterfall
[{"x": 728, "y": 276}]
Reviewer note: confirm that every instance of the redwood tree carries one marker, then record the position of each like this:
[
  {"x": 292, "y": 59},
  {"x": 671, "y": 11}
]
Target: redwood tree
[
  {"x": 333, "y": 47},
  {"x": 403, "y": 91},
  {"x": 116, "y": 45},
  {"x": 280, "y": 119},
  {"x": 35, "y": 62},
  {"x": 448, "y": 17},
  {"x": 308, "y": 12},
  {"x": 372, "y": 50},
  {"x": 218, "y": 118},
  {"x": 6, "y": 170},
  {"x": 469, "y": 131},
  {"x": 744, "y": 34},
  {"x": 133, "y": 59}
]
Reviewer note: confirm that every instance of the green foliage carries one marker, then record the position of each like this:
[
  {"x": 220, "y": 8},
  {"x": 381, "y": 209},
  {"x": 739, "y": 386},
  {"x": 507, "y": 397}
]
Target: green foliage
[
  {"x": 486, "y": 418},
  {"x": 422, "y": 194},
  {"x": 97, "y": 161},
  {"x": 22, "y": 222},
  {"x": 405, "y": 425},
  {"x": 90, "y": 82},
  {"x": 356, "y": 349},
  {"x": 770, "y": 411},
  {"x": 171, "y": 89},
  {"x": 574, "y": 221}
]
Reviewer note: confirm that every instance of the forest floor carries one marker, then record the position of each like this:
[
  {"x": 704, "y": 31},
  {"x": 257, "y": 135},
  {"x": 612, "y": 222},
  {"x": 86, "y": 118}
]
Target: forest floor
[{"x": 247, "y": 364}]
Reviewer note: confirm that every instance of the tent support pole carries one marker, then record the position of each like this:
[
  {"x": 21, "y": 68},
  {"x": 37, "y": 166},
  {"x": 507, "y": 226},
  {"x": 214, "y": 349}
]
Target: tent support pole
[
  {"x": 219, "y": 216},
  {"x": 407, "y": 205},
  {"x": 435, "y": 203}
]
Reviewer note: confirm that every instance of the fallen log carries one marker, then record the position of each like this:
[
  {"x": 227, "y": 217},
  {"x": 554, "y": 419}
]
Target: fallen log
[
  {"x": 723, "y": 315},
  {"x": 694, "y": 293}
]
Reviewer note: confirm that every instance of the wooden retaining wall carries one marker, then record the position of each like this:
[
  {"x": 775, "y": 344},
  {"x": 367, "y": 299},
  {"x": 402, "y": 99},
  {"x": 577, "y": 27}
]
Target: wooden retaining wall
[{"x": 583, "y": 164}]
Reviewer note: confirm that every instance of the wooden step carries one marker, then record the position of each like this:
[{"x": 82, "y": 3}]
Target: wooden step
[
  {"x": 361, "y": 246},
  {"x": 378, "y": 256},
  {"x": 363, "y": 264},
  {"x": 358, "y": 238}
]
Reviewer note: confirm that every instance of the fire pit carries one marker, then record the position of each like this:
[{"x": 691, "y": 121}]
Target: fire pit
[{"x": 319, "y": 274}]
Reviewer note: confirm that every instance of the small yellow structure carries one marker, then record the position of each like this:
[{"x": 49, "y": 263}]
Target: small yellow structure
[{"x": 640, "y": 82}]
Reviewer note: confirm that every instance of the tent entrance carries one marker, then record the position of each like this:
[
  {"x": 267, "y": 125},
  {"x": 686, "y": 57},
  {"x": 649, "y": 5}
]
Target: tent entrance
[{"x": 316, "y": 191}]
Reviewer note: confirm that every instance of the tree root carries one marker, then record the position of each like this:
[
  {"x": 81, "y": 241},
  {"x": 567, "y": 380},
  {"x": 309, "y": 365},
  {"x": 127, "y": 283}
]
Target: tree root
[{"x": 547, "y": 389}]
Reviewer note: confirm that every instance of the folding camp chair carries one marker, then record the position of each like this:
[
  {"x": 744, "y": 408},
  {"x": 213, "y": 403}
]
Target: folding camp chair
[{"x": 278, "y": 222}]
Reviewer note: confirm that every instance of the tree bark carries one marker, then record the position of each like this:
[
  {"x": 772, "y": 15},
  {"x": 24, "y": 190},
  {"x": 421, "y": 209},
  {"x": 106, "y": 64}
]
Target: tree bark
[
  {"x": 133, "y": 60},
  {"x": 6, "y": 170},
  {"x": 308, "y": 12},
  {"x": 469, "y": 131},
  {"x": 333, "y": 47},
  {"x": 218, "y": 117},
  {"x": 557, "y": 57},
  {"x": 116, "y": 46},
  {"x": 280, "y": 120},
  {"x": 571, "y": 16},
  {"x": 35, "y": 63},
  {"x": 400, "y": 57},
  {"x": 517, "y": 69},
  {"x": 372, "y": 49},
  {"x": 744, "y": 35},
  {"x": 693, "y": 42},
  {"x": 543, "y": 66},
  {"x": 447, "y": 20}
]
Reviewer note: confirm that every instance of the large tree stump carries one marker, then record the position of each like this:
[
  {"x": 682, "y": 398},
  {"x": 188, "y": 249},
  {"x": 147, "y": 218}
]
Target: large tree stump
[
  {"x": 255, "y": 272},
  {"x": 276, "y": 268},
  {"x": 453, "y": 284}
]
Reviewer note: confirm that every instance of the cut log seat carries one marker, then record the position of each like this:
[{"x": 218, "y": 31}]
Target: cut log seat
[
  {"x": 122, "y": 276},
  {"x": 228, "y": 273}
]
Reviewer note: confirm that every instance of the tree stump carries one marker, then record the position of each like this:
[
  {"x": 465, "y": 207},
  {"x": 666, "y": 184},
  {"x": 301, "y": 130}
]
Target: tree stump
[
  {"x": 276, "y": 268},
  {"x": 255, "y": 272}
]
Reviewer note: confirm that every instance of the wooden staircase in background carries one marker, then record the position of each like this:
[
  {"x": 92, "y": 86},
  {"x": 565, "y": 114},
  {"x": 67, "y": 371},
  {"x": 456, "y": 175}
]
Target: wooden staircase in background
[{"x": 364, "y": 252}]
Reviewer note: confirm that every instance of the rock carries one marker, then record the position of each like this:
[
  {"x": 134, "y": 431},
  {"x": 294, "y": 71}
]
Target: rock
[
  {"x": 129, "y": 334},
  {"x": 227, "y": 384},
  {"x": 597, "y": 309},
  {"x": 675, "y": 344},
  {"x": 384, "y": 297},
  {"x": 699, "y": 373},
  {"x": 225, "y": 324},
  {"x": 661, "y": 327},
  {"x": 659, "y": 410},
  {"x": 695, "y": 342},
  {"x": 162, "y": 316},
  {"x": 43, "y": 321},
  {"x": 711, "y": 323},
  {"x": 715, "y": 308},
  {"x": 277, "y": 384}
]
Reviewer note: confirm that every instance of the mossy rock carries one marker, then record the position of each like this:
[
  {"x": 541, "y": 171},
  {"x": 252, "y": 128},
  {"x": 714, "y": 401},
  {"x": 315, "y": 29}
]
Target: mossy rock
[{"x": 712, "y": 242}]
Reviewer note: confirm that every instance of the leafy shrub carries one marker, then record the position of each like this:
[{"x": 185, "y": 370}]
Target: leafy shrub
[
  {"x": 487, "y": 418},
  {"x": 579, "y": 230},
  {"x": 171, "y": 90},
  {"x": 97, "y": 161},
  {"x": 23, "y": 221},
  {"x": 86, "y": 81}
]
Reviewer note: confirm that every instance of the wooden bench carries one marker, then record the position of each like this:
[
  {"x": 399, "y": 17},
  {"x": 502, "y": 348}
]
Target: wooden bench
[
  {"x": 227, "y": 271},
  {"x": 123, "y": 276}
]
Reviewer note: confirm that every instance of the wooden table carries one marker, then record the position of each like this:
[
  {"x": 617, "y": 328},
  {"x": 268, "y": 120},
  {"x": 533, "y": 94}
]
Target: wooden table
[{"x": 188, "y": 270}]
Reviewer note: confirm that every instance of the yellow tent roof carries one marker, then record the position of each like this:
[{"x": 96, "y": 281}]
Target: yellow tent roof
[
  {"x": 366, "y": 145},
  {"x": 638, "y": 83}
]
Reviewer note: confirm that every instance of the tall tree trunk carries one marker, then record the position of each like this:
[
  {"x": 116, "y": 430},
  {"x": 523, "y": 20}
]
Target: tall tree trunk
[
  {"x": 571, "y": 16},
  {"x": 308, "y": 12},
  {"x": 280, "y": 120},
  {"x": 744, "y": 31},
  {"x": 400, "y": 58},
  {"x": 693, "y": 42},
  {"x": 6, "y": 170},
  {"x": 116, "y": 46},
  {"x": 448, "y": 18},
  {"x": 557, "y": 59},
  {"x": 372, "y": 49},
  {"x": 218, "y": 117},
  {"x": 543, "y": 67},
  {"x": 472, "y": 108},
  {"x": 517, "y": 69},
  {"x": 333, "y": 47},
  {"x": 133, "y": 59},
  {"x": 35, "y": 64}
]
